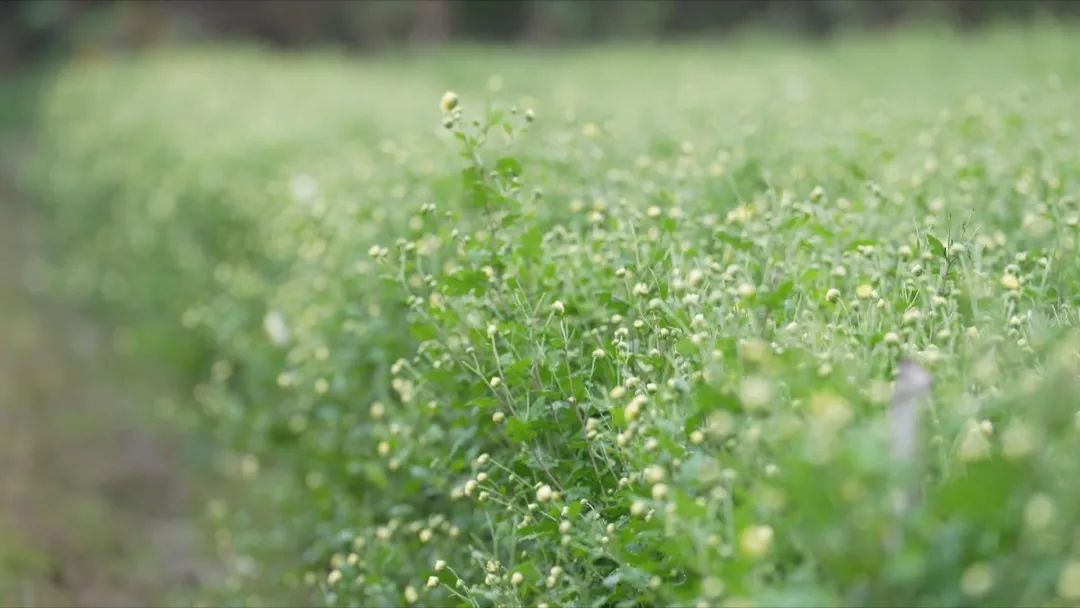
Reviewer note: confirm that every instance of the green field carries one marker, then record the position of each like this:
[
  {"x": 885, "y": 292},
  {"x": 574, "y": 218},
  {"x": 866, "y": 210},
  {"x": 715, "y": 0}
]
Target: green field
[{"x": 613, "y": 326}]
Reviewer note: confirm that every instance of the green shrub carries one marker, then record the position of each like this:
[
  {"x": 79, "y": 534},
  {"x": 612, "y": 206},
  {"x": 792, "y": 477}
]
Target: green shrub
[{"x": 629, "y": 340}]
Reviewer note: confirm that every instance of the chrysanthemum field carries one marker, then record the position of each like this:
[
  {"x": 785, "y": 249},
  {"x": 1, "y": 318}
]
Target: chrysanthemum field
[{"x": 607, "y": 326}]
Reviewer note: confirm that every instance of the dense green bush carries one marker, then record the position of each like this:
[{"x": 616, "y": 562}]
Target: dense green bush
[{"x": 616, "y": 327}]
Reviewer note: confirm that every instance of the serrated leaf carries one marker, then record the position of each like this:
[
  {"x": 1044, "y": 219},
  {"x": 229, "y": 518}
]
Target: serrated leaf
[{"x": 519, "y": 430}]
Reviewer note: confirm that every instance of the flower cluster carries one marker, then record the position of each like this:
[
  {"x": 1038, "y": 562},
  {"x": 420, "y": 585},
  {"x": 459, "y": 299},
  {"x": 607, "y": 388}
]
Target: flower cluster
[{"x": 589, "y": 358}]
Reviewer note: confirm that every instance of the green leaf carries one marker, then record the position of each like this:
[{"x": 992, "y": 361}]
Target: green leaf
[
  {"x": 736, "y": 242},
  {"x": 423, "y": 331},
  {"x": 519, "y": 430},
  {"x": 935, "y": 245},
  {"x": 530, "y": 243},
  {"x": 508, "y": 166},
  {"x": 484, "y": 403},
  {"x": 982, "y": 492},
  {"x": 520, "y": 370},
  {"x": 465, "y": 281},
  {"x": 779, "y": 295},
  {"x": 709, "y": 398},
  {"x": 476, "y": 190}
]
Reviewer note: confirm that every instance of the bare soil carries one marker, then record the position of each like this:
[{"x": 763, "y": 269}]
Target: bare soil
[{"x": 98, "y": 505}]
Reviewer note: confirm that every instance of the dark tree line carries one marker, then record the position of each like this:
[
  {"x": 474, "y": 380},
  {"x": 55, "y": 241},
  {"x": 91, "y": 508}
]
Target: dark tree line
[{"x": 33, "y": 28}]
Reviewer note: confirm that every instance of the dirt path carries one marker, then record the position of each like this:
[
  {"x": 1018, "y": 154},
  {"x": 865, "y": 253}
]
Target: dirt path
[{"x": 98, "y": 506}]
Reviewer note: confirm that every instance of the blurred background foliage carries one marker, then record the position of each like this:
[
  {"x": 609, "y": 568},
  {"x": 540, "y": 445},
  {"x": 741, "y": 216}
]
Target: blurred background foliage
[{"x": 35, "y": 29}]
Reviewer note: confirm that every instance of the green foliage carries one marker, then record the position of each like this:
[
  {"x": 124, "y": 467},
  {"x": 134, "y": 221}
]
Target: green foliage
[{"x": 635, "y": 348}]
